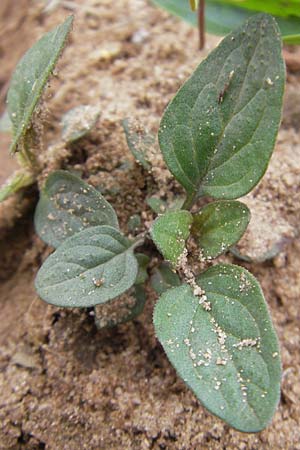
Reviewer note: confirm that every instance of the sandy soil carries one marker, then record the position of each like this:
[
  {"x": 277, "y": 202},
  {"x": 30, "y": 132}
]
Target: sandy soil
[{"x": 63, "y": 384}]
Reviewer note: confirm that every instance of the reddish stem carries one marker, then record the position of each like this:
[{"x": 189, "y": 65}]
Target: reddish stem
[{"x": 201, "y": 24}]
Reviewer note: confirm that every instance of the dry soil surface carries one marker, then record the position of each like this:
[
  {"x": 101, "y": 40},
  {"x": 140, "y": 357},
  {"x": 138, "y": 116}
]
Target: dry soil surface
[{"x": 64, "y": 385}]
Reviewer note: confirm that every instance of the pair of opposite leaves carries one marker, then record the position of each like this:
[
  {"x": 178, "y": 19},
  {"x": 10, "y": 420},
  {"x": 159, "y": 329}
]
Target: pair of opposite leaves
[{"x": 216, "y": 136}]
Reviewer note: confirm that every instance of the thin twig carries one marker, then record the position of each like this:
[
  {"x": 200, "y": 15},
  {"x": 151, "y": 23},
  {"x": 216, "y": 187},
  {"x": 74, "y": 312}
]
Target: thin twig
[{"x": 201, "y": 24}]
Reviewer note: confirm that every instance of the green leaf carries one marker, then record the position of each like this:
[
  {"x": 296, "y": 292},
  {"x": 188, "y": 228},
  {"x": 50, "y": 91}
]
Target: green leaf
[
  {"x": 163, "y": 278},
  {"x": 134, "y": 223},
  {"x": 218, "y": 133},
  {"x": 123, "y": 309},
  {"x": 139, "y": 142},
  {"x": 20, "y": 179},
  {"x": 222, "y": 18},
  {"x": 68, "y": 205},
  {"x": 159, "y": 205},
  {"x": 143, "y": 261},
  {"x": 227, "y": 355},
  {"x": 79, "y": 121},
  {"x": 169, "y": 233},
  {"x": 291, "y": 7},
  {"x": 30, "y": 78},
  {"x": 219, "y": 225},
  {"x": 89, "y": 268}
]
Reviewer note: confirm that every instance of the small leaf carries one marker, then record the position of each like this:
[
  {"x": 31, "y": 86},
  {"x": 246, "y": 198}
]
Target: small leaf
[
  {"x": 139, "y": 142},
  {"x": 20, "y": 179},
  {"x": 164, "y": 278},
  {"x": 169, "y": 233},
  {"x": 218, "y": 133},
  {"x": 159, "y": 205},
  {"x": 30, "y": 78},
  {"x": 89, "y": 268},
  {"x": 219, "y": 225},
  {"x": 68, "y": 205},
  {"x": 143, "y": 261},
  {"x": 79, "y": 121},
  {"x": 156, "y": 204},
  {"x": 134, "y": 223},
  {"x": 123, "y": 309},
  {"x": 228, "y": 355}
]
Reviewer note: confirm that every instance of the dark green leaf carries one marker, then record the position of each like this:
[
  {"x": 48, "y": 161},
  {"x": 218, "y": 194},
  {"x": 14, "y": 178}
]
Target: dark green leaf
[
  {"x": 134, "y": 223},
  {"x": 157, "y": 204},
  {"x": 143, "y": 261},
  {"x": 30, "y": 78},
  {"x": 169, "y": 233},
  {"x": 221, "y": 18},
  {"x": 139, "y": 141},
  {"x": 219, "y": 225},
  {"x": 79, "y": 121},
  {"x": 218, "y": 133},
  {"x": 68, "y": 205},
  {"x": 163, "y": 278},
  {"x": 89, "y": 268},
  {"x": 227, "y": 355}
]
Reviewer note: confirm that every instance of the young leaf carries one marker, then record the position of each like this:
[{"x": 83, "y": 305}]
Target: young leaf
[
  {"x": 30, "y": 78},
  {"x": 218, "y": 133},
  {"x": 227, "y": 355},
  {"x": 20, "y": 179},
  {"x": 68, "y": 205},
  {"x": 143, "y": 261},
  {"x": 79, "y": 121},
  {"x": 89, "y": 268},
  {"x": 164, "y": 278},
  {"x": 169, "y": 233},
  {"x": 159, "y": 205},
  {"x": 122, "y": 309},
  {"x": 139, "y": 142},
  {"x": 219, "y": 225}
]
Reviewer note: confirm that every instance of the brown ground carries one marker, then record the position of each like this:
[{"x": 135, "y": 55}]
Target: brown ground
[{"x": 65, "y": 385}]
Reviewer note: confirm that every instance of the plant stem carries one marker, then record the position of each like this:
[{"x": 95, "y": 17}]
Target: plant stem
[
  {"x": 201, "y": 24},
  {"x": 189, "y": 201}
]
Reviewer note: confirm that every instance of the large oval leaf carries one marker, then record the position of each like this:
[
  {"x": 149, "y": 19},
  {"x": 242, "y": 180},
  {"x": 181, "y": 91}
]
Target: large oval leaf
[
  {"x": 30, "y": 78},
  {"x": 68, "y": 205},
  {"x": 218, "y": 133},
  {"x": 169, "y": 233},
  {"x": 219, "y": 225},
  {"x": 89, "y": 268},
  {"x": 229, "y": 355},
  {"x": 164, "y": 278}
]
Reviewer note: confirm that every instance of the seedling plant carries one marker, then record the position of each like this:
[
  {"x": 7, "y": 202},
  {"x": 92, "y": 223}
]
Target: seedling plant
[{"x": 216, "y": 136}]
